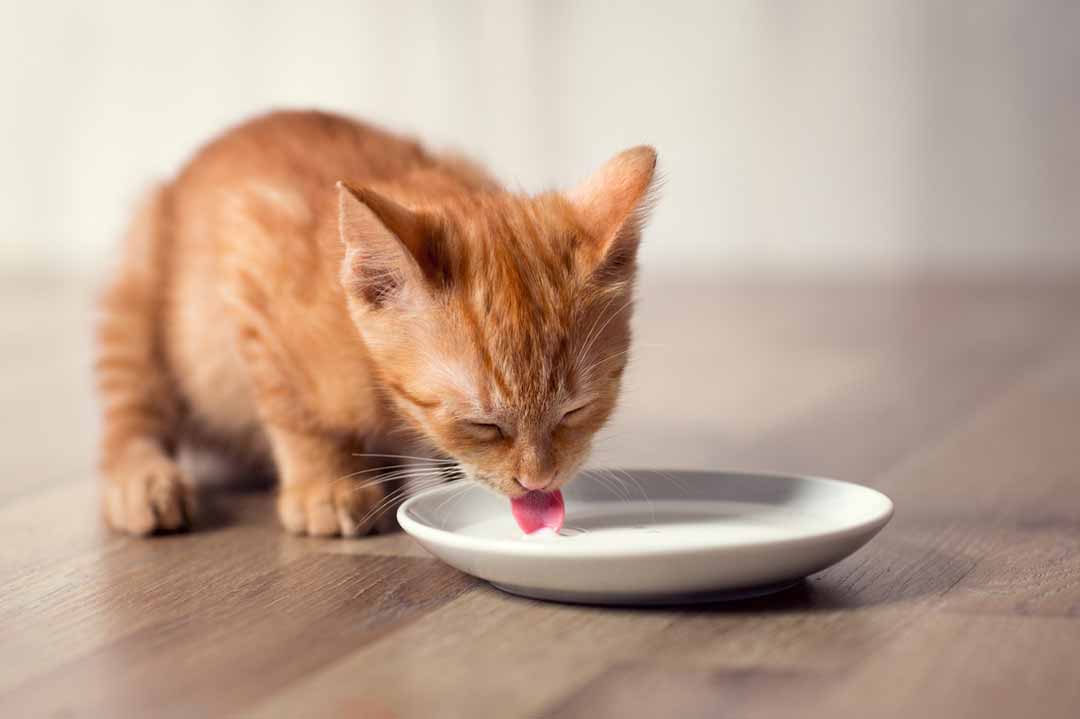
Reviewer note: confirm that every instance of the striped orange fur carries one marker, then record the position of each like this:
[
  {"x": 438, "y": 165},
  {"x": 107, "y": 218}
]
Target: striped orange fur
[{"x": 312, "y": 292}]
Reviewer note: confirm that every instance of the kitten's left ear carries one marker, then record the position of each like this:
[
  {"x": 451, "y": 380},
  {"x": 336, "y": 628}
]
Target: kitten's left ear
[
  {"x": 386, "y": 257},
  {"x": 613, "y": 205}
]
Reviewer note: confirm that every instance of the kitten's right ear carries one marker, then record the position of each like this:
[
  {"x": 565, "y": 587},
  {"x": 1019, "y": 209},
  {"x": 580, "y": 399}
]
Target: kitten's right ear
[
  {"x": 383, "y": 243},
  {"x": 613, "y": 205}
]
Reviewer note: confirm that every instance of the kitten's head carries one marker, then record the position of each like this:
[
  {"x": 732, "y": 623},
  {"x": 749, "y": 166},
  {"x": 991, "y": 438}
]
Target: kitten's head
[{"x": 500, "y": 324}]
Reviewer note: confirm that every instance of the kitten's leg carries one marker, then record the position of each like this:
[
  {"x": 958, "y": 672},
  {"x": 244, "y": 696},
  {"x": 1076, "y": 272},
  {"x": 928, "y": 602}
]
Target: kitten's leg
[
  {"x": 326, "y": 490},
  {"x": 144, "y": 490}
]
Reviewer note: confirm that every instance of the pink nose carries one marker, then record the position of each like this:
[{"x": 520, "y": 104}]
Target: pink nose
[{"x": 535, "y": 482}]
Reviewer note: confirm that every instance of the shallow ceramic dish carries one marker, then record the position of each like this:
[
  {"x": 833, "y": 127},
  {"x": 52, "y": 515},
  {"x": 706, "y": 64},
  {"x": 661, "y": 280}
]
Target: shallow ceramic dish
[{"x": 656, "y": 537}]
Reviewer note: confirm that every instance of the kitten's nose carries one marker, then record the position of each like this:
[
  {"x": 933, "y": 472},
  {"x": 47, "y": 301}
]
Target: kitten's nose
[{"x": 535, "y": 482}]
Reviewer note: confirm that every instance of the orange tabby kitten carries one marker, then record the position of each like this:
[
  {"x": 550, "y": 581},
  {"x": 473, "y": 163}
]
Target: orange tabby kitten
[{"x": 311, "y": 289}]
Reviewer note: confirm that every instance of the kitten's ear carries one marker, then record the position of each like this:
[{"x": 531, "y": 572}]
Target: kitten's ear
[
  {"x": 613, "y": 205},
  {"x": 383, "y": 246}
]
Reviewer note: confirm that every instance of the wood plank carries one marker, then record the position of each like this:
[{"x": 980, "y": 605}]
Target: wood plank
[
  {"x": 51, "y": 417},
  {"x": 838, "y": 380},
  {"x": 961, "y": 401},
  {"x": 639, "y": 689},
  {"x": 255, "y": 635},
  {"x": 965, "y": 666},
  {"x": 1015, "y": 462},
  {"x": 486, "y": 654},
  {"x": 80, "y": 587},
  {"x": 946, "y": 667}
]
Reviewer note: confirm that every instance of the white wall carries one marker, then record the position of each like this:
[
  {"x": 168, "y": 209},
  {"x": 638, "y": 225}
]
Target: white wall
[{"x": 794, "y": 135}]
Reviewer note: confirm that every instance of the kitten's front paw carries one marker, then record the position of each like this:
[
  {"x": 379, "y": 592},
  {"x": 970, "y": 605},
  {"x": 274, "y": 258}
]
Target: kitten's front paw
[
  {"x": 329, "y": 508},
  {"x": 148, "y": 496}
]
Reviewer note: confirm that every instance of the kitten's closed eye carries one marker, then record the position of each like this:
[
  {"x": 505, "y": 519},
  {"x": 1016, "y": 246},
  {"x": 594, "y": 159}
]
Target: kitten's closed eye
[
  {"x": 491, "y": 432},
  {"x": 570, "y": 417},
  {"x": 483, "y": 431}
]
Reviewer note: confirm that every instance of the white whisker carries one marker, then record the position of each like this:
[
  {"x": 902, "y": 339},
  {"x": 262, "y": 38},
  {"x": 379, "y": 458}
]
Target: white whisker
[
  {"x": 429, "y": 460},
  {"x": 595, "y": 336},
  {"x": 641, "y": 488},
  {"x": 456, "y": 494},
  {"x": 605, "y": 483}
]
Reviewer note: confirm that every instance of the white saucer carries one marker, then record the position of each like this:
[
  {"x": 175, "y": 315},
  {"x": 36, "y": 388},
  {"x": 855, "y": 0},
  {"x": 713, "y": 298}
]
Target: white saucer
[{"x": 657, "y": 537}]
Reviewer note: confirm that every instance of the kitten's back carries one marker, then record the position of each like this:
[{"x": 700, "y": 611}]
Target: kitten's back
[{"x": 253, "y": 237}]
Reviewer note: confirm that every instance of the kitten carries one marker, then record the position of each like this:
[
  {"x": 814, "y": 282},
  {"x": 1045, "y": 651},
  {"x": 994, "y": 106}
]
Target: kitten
[{"x": 309, "y": 290}]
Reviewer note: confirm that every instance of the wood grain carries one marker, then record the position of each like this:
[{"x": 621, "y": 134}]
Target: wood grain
[{"x": 959, "y": 398}]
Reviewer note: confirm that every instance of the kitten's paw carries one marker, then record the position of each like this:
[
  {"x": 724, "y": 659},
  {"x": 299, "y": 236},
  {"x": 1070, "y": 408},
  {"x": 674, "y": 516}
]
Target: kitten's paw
[
  {"x": 148, "y": 496},
  {"x": 326, "y": 508}
]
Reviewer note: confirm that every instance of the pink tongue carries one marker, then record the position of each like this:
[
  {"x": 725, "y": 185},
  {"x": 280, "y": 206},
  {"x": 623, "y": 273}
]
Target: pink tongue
[{"x": 539, "y": 510}]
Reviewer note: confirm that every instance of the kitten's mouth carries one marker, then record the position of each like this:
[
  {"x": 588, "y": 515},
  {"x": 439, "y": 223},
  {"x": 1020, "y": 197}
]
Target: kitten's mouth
[{"x": 535, "y": 511}]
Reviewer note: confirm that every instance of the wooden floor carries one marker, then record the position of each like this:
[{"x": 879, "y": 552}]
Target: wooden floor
[{"x": 961, "y": 400}]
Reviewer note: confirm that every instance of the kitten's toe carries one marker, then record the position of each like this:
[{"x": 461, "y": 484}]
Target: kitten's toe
[
  {"x": 321, "y": 514},
  {"x": 323, "y": 508},
  {"x": 292, "y": 512},
  {"x": 147, "y": 497},
  {"x": 357, "y": 504}
]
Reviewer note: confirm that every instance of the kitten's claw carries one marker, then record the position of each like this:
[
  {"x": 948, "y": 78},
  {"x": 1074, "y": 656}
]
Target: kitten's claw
[
  {"x": 325, "y": 508},
  {"x": 147, "y": 497}
]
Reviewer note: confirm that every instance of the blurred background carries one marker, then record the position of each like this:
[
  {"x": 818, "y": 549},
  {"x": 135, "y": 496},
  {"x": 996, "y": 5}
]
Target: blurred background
[
  {"x": 826, "y": 137},
  {"x": 824, "y": 162}
]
